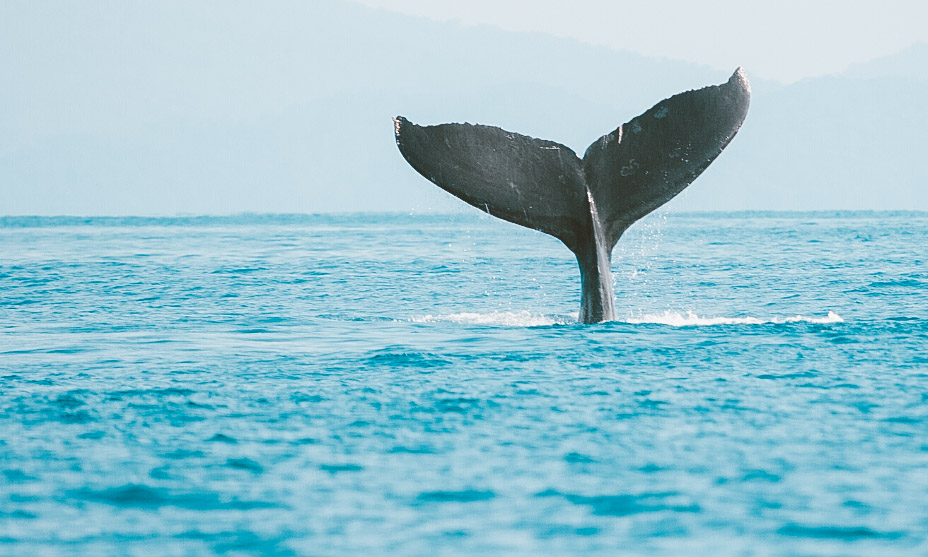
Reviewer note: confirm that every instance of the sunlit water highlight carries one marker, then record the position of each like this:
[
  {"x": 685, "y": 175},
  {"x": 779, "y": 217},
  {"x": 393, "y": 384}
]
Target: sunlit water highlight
[{"x": 419, "y": 385}]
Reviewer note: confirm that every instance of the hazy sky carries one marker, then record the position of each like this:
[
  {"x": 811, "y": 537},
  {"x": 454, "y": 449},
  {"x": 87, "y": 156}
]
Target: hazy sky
[
  {"x": 785, "y": 40},
  {"x": 219, "y": 107}
]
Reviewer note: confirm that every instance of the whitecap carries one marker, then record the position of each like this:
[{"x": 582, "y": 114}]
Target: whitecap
[
  {"x": 691, "y": 319},
  {"x": 497, "y": 318},
  {"x": 668, "y": 317}
]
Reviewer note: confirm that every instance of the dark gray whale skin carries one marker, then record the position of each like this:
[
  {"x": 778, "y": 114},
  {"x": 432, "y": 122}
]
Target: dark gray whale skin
[{"x": 586, "y": 203}]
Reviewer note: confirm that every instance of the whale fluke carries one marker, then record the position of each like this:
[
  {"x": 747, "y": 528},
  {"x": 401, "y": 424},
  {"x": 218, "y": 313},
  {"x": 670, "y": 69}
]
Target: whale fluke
[{"x": 586, "y": 203}]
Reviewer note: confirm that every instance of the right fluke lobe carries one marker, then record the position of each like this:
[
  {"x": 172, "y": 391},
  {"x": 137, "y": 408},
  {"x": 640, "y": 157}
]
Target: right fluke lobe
[
  {"x": 624, "y": 175},
  {"x": 651, "y": 158}
]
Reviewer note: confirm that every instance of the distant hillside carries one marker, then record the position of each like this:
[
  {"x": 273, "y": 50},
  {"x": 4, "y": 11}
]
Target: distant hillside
[
  {"x": 828, "y": 143},
  {"x": 218, "y": 107},
  {"x": 910, "y": 63}
]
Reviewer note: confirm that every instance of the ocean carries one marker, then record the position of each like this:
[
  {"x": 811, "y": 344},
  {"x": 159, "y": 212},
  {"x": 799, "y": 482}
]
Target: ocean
[{"x": 418, "y": 384}]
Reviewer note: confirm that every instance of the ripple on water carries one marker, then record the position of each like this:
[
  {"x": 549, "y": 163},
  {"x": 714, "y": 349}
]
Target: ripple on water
[
  {"x": 157, "y": 393},
  {"x": 848, "y": 533},
  {"x": 237, "y": 541},
  {"x": 245, "y": 464},
  {"x": 14, "y": 475},
  {"x": 400, "y": 358},
  {"x": 628, "y": 504},
  {"x": 461, "y": 496},
  {"x": 459, "y": 405},
  {"x": 223, "y": 438},
  {"x": 139, "y": 495},
  {"x": 337, "y": 468}
]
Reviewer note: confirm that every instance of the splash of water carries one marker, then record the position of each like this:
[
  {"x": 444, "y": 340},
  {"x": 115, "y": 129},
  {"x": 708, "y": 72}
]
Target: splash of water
[
  {"x": 497, "y": 318},
  {"x": 671, "y": 318},
  {"x": 690, "y": 319}
]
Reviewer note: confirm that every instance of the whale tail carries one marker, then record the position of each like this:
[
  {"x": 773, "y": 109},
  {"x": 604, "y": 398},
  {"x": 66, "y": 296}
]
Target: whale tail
[{"x": 586, "y": 203}]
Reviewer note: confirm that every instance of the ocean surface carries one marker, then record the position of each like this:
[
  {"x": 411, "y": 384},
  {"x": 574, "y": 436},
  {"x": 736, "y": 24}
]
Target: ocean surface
[{"x": 418, "y": 385}]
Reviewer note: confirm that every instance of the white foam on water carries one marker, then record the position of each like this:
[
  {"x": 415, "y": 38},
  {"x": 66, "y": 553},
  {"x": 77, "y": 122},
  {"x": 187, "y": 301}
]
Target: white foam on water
[
  {"x": 498, "y": 318},
  {"x": 690, "y": 319},
  {"x": 671, "y": 318}
]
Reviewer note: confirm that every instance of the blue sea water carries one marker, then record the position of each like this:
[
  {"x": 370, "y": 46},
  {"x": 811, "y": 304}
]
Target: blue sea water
[{"x": 418, "y": 385}]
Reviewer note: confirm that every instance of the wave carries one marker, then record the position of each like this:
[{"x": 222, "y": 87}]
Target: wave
[
  {"x": 499, "y": 318},
  {"x": 691, "y": 319},
  {"x": 671, "y": 318}
]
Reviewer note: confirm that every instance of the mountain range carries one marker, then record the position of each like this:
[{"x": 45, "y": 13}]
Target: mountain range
[{"x": 229, "y": 106}]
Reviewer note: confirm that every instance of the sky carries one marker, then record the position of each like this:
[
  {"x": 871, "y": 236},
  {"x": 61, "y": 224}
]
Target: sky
[
  {"x": 785, "y": 41},
  {"x": 217, "y": 107}
]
